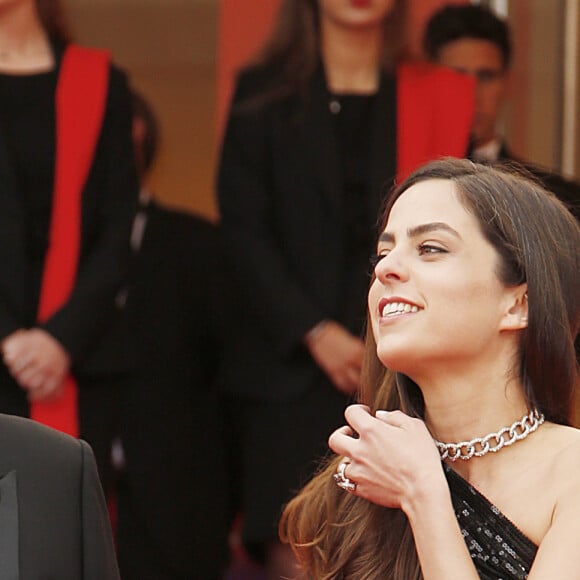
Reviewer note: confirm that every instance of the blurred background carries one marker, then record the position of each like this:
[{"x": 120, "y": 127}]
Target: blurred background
[{"x": 182, "y": 54}]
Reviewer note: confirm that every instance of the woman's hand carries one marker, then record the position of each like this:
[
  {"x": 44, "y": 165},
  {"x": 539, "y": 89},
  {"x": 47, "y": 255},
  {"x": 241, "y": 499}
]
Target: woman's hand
[
  {"x": 339, "y": 354},
  {"x": 393, "y": 460},
  {"x": 37, "y": 361}
]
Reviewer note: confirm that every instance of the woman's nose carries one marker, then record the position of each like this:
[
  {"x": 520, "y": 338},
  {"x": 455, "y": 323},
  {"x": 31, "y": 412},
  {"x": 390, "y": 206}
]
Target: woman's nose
[{"x": 391, "y": 267}]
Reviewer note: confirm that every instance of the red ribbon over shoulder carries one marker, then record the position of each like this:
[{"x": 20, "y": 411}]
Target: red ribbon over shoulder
[
  {"x": 435, "y": 112},
  {"x": 81, "y": 97}
]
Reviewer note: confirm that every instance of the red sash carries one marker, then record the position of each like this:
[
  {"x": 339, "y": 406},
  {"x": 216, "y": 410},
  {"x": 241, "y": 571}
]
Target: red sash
[
  {"x": 80, "y": 107},
  {"x": 435, "y": 111}
]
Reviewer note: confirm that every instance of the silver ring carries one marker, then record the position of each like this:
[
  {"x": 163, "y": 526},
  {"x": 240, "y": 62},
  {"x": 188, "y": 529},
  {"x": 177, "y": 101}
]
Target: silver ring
[{"x": 341, "y": 480}]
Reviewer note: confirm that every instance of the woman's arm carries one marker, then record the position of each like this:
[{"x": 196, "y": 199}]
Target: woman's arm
[{"x": 395, "y": 463}]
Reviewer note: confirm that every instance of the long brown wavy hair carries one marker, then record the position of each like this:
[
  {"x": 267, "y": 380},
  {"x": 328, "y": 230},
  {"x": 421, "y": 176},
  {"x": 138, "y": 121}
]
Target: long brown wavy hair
[
  {"x": 293, "y": 48},
  {"x": 52, "y": 17},
  {"x": 336, "y": 535}
]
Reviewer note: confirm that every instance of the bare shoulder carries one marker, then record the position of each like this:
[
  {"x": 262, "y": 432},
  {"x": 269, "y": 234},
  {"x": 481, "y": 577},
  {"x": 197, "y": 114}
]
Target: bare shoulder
[
  {"x": 564, "y": 443},
  {"x": 564, "y": 440},
  {"x": 558, "y": 556}
]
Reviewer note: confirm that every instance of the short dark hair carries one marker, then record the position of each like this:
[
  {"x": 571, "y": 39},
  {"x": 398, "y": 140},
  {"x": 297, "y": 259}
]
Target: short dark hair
[{"x": 456, "y": 22}]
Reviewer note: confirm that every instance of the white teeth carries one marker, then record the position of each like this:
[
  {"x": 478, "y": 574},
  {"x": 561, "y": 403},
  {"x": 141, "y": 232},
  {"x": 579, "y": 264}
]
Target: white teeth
[{"x": 394, "y": 308}]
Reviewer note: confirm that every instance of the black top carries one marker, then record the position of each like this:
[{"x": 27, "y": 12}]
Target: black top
[
  {"x": 27, "y": 121},
  {"x": 352, "y": 116},
  {"x": 498, "y": 548}
]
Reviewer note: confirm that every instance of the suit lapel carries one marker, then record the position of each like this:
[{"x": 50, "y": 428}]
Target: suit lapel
[
  {"x": 9, "y": 527},
  {"x": 383, "y": 146}
]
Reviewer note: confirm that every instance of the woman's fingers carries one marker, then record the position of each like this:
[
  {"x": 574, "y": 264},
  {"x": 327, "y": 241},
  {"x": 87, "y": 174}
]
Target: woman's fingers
[
  {"x": 341, "y": 441},
  {"x": 393, "y": 418},
  {"x": 358, "y": 416}
]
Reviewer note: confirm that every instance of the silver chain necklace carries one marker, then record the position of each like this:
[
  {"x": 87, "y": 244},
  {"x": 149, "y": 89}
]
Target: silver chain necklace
[{"x": 493, "y": 442}]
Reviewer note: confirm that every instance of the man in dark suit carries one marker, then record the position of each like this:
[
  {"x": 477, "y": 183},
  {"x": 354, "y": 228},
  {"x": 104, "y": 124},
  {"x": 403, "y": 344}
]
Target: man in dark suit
[
  {"x": 473, "y": 40},
  {"x": 172, "y": 498},
  {"x": 53, "y": 519}
]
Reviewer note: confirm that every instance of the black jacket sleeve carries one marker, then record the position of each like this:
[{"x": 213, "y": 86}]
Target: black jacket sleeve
[
  {"x": 247, "y": 196},
  {"x": 109, "y": 204}
]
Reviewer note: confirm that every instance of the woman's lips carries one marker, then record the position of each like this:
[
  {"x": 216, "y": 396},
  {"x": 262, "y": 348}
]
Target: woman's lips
[
  {"x": 396, "y": 306},
  {"x": 361, "y": 3}
]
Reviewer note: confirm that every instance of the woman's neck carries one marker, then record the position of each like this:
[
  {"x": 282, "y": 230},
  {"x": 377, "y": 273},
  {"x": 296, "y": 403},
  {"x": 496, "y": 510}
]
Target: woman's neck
[
  {"x": 24, "y": 44},
  {"x": 462, "y": 416},
  {"x": 352, "y": 58},
  {"x": 470, "y": 401}
]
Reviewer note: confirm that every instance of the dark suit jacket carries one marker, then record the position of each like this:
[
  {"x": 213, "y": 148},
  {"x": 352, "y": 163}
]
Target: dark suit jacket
[
  {"x": 53, "y": 518},
  {"x": 172, "y": 520},
  {"x": 280, "y": 197},
  {"x": 85, "y": 325},
  {"x": 566, "y": 190}
]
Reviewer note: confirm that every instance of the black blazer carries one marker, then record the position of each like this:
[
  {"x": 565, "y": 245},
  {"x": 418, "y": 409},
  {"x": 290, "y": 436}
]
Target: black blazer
[
  {"x": 280, "y": 194},
  {"x": 53, "y": 518},
  {"x": 172, "y": 518},
  {"x": 85, "y": 325}
]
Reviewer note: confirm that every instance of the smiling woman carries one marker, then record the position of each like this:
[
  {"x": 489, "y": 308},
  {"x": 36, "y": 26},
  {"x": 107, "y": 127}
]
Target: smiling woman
[
  {"x": 473, "y": 309},
  {"x": 437, "y": 259}
]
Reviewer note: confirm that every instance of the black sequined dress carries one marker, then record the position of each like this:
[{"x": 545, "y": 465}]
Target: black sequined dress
[{"x": 500, "y": 551}]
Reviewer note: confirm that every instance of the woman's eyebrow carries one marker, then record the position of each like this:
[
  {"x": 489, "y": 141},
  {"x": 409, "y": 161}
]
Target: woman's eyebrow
[
  {"x": 432, "y": 227},
  {"x": 421, "y": 230}
]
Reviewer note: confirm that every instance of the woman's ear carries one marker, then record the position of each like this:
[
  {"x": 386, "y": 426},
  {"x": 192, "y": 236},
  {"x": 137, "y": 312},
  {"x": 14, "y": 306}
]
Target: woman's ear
[{"x": 516, "y": 314}]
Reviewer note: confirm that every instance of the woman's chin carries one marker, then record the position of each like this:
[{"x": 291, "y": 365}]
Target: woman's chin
[{"x": 396, "y": 359}]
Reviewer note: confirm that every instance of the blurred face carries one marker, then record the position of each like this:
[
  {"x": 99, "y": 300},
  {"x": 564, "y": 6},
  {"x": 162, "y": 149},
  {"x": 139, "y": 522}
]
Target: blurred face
[
  {"x": 436, "y": 298},
  {"x": 9, "y": 4},
  {"x": 483, "y": 60},
  {"x": 355, "y": 13}
]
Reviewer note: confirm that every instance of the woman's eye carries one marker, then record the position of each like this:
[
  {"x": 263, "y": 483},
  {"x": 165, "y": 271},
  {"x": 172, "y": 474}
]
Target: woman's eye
[
  {"x": 425, "y": 249},
  {"x": 376, "y": 258}
]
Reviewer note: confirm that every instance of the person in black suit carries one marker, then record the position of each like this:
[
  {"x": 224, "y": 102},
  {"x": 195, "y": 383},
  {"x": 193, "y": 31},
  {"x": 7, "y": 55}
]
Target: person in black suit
[
  {"x": 82, "y": 337},
  {"x": 53, "y": 518},
  {"x": 316, "y": 134},
  {"x": 473, "y": 40},
  {"x": 172, "y": 495}
]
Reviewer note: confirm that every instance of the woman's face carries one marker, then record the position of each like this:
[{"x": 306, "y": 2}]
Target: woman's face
[
  {"x": 355, "y": 13},
  {"x": 436, "y": 297}
]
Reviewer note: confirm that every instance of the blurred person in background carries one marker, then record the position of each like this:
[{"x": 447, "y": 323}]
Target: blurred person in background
[
  {"x": 68, "y": 194},
  {"x": 473, "y": 40},
  {"x": 172, "y": 497}
]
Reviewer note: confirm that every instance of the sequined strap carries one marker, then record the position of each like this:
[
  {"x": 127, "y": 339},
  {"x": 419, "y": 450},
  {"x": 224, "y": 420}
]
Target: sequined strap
[{"x": 498, "y": 548}]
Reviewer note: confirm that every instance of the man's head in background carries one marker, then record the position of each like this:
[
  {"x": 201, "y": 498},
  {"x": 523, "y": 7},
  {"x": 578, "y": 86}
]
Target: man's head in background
[{"x": 473, "y": 40}]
